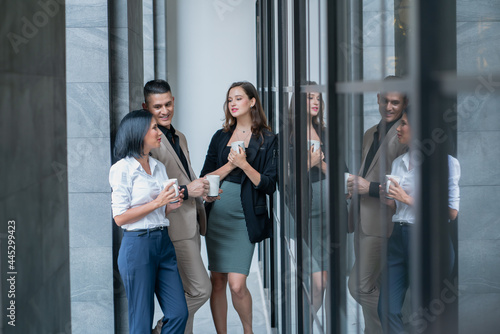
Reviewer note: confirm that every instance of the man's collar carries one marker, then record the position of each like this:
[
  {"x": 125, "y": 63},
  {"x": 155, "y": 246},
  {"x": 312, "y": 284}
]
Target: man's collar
[
  {"x": 166, "y": 130},
  {"x": 388, "y": 126}
]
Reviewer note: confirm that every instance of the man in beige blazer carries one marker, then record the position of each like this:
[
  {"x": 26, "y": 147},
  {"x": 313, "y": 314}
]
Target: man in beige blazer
[
  {"x": 370, "y": 222},
  {"x": 189, "y": 221}
]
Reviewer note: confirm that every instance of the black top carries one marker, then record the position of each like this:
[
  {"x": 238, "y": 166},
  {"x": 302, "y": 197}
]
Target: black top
[
  {"x": 316, "y": 173},
  {"x": 374, "y": 186},
  {"x": 235, "y": 175},
  {"x": 173, "y": 139}
]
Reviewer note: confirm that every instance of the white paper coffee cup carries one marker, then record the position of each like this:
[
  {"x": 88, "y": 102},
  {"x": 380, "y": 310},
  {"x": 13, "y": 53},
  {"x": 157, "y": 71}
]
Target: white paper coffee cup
[
  {"x": 214, "y": 181},
  {"x": 346, "y": 177},
  {"x": 235, "y": 144},
  {"x": 175, "y": 186},
  {"x": 388, "y": 183},
  {"x": 315, "y": 143}
]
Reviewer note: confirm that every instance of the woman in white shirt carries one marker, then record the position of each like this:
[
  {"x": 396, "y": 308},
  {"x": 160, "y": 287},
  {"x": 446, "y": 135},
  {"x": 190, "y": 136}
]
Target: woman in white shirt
[
  {"x": 398, "y": 250},
  {"x": 140, "y": 204}
]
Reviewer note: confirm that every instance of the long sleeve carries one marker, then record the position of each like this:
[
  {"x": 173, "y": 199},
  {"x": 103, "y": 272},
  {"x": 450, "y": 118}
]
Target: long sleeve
[
  {"x": 453, "y": 188},
  {"x": 211, "y": 158},
  {"x": 120, "y": 182},
  {"x": 268, "y": 175}
]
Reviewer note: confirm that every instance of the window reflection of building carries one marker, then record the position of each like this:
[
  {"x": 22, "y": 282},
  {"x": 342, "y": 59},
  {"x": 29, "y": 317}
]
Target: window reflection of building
[{"x": 375, "y": 39}]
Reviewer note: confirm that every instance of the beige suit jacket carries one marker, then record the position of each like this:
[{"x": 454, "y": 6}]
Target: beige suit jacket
[
  {"x": 191, "y": 215},
  {"x": 370, "y": 208}
]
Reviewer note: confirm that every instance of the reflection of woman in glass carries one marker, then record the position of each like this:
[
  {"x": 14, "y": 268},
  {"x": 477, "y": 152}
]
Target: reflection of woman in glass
[
  {"x": 317, "y": 178},
  {"x": 140, "y": 203},
  {"x": 240, "y": 218},
  {"x": 315, "y": 240},
  {"x": 398, "y": 251}
]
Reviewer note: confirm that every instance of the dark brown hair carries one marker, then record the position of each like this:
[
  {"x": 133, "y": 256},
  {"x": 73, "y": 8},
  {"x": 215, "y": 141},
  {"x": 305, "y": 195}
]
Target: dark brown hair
[{"x": 318, "y": 121}]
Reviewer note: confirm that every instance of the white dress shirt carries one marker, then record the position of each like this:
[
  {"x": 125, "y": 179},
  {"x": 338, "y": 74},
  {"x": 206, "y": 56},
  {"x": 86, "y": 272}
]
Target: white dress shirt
[
  {"x": 453, "y": 178},
  {"x": 133, "y": 187},
  {"x": 400, "y": 167}
]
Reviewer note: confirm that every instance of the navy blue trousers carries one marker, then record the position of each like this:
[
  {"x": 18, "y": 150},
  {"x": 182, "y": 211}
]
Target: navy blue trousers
[
  {"x": 396, "y": 280},
  {"x": 148, "y": 266}
]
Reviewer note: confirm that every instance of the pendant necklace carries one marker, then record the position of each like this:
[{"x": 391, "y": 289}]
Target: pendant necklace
[{"x": 245, "y": 136}]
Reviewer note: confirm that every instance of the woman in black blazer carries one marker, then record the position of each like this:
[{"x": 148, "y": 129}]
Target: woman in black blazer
[{"x": 240, "y": 218}]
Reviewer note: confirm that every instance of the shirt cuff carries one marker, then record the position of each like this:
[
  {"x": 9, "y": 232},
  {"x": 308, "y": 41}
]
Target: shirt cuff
[
  {"x": 186, "y": 194},
  {"x": 374, "y": 189}
]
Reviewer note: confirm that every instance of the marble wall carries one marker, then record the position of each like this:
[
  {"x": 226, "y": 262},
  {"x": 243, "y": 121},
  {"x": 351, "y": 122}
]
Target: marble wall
[
  {"x": 160, "y": 40},
  {"x": 89, "y": 159},
  {"x": 148, "y": 41},
  {"x": 33, "y": 201},
  {"x": 131, "y": 59},
  {"x": 478, "y": 56},
  {"x": 110, "y": 53}
]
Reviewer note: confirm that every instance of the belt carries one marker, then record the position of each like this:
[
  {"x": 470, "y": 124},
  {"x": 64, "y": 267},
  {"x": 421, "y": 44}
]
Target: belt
[
  {"x": 403, "y": 223},
  {"x": 145, "y": 231}
]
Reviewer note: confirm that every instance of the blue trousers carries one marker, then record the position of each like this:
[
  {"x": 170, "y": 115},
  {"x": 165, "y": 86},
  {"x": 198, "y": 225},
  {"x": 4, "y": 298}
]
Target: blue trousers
[
  {"x": 396, "y": 280},
  {"x": 148, "y": 266}
]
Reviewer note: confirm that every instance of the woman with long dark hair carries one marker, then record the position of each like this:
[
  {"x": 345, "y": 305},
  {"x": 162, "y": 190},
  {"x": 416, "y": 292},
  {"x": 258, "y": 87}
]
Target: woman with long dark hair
[
  {"x": 319, "y": 243},
  {"x": 316, "y": 241},
  {"x": 240, "y": 218},
  {"x": 141, "y": 199}
]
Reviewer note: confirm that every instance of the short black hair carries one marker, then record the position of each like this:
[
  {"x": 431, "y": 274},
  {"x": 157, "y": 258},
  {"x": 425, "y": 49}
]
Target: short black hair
[
  {"x": 129, "y": 141},
  {"x": 395, "y": 77},
  {"x": 157, "y": 86}
]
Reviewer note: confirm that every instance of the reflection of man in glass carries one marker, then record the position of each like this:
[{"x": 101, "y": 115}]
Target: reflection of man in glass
[{"x": 380, "y": 148}]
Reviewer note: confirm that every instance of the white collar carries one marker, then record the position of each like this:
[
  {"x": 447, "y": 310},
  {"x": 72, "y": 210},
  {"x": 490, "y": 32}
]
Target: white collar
[{"x": 137, "y": 165}]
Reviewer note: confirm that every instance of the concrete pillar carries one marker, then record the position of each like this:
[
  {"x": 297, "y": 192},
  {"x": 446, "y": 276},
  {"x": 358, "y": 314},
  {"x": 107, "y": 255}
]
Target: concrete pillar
[{"x": 34, "y": 239}]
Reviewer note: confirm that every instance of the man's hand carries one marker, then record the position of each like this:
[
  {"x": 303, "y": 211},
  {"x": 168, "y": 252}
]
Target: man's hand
[
  {"x": 198, "y": 187},
  {"x": 210, "y": 199},
  {"x": 384, "y": 200},
  {"x": 359, "y": 183}
]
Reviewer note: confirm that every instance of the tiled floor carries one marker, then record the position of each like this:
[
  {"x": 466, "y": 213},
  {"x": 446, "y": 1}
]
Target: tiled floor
[{"x": 203, "y": 323}]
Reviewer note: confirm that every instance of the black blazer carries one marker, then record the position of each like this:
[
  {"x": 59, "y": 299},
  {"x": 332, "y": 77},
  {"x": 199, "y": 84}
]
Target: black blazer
[{"x": 253, "y": 198}]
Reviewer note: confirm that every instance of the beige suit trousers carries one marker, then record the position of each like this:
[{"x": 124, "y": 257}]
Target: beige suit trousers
[
  {"x": 364, "y": 279},
  {"x": 194, "y": 276}
]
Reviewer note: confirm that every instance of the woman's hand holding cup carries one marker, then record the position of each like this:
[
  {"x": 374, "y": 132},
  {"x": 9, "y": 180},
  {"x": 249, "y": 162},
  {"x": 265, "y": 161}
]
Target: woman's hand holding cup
[
  {"x": 167, "y": 194},
  {"x": 171, "y": 190},
  {"x": 316, "y": 156},
  {"x": 238, "y": 159}
]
